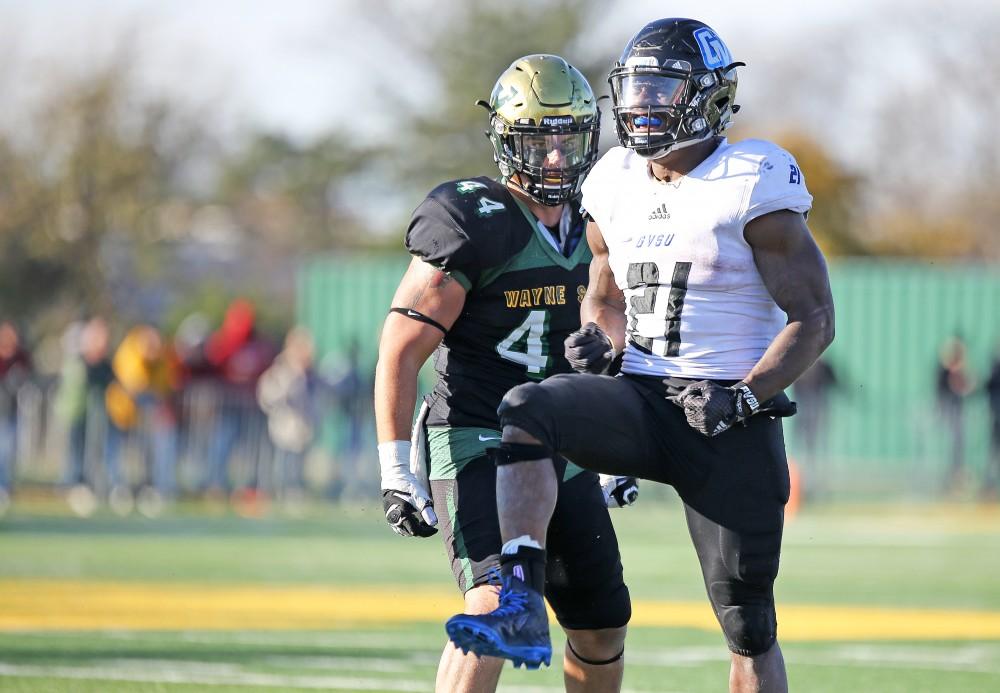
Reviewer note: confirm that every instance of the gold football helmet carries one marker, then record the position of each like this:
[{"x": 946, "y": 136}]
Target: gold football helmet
[{"x": 544, "y": 126}]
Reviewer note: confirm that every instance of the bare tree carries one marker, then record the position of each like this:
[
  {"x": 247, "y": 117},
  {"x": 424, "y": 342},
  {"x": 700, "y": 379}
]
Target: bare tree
[
  {"x": 95, "y": 166},
  {"x": 907, "y": 100},
  {"x": 437, "y": 133}
]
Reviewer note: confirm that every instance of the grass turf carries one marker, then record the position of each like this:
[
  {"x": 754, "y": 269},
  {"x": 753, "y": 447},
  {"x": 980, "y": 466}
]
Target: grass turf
[{"x": 914, "y": 558}]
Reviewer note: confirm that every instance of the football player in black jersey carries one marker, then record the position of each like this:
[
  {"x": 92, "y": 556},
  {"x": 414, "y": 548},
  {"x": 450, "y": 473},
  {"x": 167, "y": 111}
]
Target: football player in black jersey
[
  {"x": 707, "y": 278},
  {"x": 499, "y": 270}
]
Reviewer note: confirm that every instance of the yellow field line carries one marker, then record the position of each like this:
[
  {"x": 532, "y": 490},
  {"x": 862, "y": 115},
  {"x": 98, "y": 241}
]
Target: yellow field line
[{"x": 62, "y": 605}]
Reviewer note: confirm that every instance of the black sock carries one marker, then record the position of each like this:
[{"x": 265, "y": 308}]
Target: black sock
[{"x": 528, "y": 565}]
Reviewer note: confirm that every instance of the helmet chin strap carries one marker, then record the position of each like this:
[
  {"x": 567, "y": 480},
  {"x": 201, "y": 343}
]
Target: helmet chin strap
[{"x": 533, "y": 189}]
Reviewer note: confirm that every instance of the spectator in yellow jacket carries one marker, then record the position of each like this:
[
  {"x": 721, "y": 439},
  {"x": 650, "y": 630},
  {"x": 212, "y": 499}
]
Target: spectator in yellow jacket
[{"x": 140, "y": 401}]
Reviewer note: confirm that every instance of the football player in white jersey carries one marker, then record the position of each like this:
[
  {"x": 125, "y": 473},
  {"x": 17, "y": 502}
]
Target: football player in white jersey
[{"x": 708, "y": 284}]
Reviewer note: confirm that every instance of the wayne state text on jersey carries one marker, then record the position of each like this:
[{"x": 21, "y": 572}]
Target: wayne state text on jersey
[
  {"x": 540, "y": 296},
  {"x": 697, "y": 306}
]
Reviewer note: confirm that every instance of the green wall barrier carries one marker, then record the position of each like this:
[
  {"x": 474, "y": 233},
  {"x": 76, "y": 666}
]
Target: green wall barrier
[{"x": 884, "y": 433}]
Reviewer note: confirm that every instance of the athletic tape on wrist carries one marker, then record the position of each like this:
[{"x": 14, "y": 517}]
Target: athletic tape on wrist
[{"x": 394, "y": 456}]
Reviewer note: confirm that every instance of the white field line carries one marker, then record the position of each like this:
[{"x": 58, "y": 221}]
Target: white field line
[
  {"x": 359, "y": 641},
  {"x": 971, "y": 658},
  {"x": 983, "y": 659},
  {"x": 222, "y": 675},
  {"x": 364, "y": 664},
  {"x": 397, "y": 665},
  {"x": 228, "y": 675},
  {"x": 974, "y": 657}
]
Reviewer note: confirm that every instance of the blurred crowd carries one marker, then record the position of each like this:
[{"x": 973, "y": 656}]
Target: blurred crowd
[
  {"x": 217, "y": 411},
  {"x": 228, "y": 414},
  {"x": 954, "y": 384}
]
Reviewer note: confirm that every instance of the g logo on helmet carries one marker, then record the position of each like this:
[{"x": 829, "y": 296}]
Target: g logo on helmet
[{"x": 713, "y": 50}]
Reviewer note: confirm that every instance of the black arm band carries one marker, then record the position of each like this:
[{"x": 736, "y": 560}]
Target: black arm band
[{"x": 419, "y": 317}]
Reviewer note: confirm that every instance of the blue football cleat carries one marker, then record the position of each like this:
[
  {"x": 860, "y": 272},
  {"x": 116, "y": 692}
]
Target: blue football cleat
[{"x": 517, "y": 630}]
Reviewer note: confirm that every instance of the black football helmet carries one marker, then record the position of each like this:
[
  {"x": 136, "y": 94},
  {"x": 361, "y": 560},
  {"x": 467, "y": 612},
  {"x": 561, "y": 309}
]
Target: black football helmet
[{"x": 673, "y": 86}]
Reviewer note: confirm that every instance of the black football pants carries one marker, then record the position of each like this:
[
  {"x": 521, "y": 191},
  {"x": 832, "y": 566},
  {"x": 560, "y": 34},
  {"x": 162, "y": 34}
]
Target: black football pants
[{"x": 734, "y": 486}]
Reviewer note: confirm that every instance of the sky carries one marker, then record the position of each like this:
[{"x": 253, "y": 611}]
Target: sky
[
  {"x": 303, "y": 68},
  {"x": 850, "y": 74},
  {"x": 287, "y": 66}
]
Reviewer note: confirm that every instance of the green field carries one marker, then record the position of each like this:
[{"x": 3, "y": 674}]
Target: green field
[{"x": 883, "y": 600}]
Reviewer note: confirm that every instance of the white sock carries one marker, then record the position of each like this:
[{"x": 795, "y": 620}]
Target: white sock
[{"x": 513, "y": 545}]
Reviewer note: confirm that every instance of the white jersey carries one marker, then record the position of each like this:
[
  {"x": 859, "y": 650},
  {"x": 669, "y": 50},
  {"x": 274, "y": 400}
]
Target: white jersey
[{"x": 697, "y": 307}]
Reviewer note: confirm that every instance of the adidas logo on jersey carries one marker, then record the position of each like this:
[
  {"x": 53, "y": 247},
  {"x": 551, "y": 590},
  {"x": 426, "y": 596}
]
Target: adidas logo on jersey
[{"x": 659, "y": 213}]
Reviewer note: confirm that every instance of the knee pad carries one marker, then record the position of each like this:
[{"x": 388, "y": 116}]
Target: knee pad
[
  {"x": 746, "y": 613},
  {"x": 527, "y": 407},
  {"x": 741, "y": 587},
  {"x": 580, "y": 610}
]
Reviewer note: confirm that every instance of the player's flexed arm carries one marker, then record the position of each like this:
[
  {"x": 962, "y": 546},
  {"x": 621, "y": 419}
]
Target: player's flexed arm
[
  {"x": 592, "y": 348},
  {"x": 426, "y": 304},
  {"x": 794, "y": 272}
]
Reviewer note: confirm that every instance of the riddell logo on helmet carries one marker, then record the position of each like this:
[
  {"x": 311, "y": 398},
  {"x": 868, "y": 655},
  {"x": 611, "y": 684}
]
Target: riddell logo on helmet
[{"x": 557, "y": 120}]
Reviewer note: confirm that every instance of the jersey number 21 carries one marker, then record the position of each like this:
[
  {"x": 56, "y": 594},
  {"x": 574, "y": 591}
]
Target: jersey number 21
[{"x": 647, "y": 274}]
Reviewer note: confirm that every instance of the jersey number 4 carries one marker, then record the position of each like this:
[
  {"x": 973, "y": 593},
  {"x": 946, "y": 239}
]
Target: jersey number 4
[
  {"x": 647, "y": 274},
  {"x": 525, "y": 344}
]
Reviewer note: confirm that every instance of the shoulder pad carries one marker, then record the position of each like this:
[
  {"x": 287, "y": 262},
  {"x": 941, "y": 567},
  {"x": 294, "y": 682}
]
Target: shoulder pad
[
  {"x": 461, "y": 225},
  {"x": 778, "y": 181},
  {"x": 598, "y": 186}
]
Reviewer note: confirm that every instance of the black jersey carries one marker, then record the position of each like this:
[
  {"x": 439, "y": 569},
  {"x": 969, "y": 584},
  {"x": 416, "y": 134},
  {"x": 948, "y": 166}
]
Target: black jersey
[{"x": 523, "y": 295}]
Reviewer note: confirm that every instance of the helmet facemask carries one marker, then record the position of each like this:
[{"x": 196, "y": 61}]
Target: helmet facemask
[
  {"x": 658, "y": 111},
  {"x": 547, "y": 162}
]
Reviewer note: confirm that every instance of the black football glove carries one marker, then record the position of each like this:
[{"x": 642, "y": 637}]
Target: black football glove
[
  {"x": 402, "y": 515},
  {"x": 712, "y": 409},
  {"x": 589, "y": 350},
  {"x": 619, "y": 491}
]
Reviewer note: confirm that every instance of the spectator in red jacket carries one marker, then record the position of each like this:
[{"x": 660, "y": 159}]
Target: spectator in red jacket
[{"x": 239, "y": 355}]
